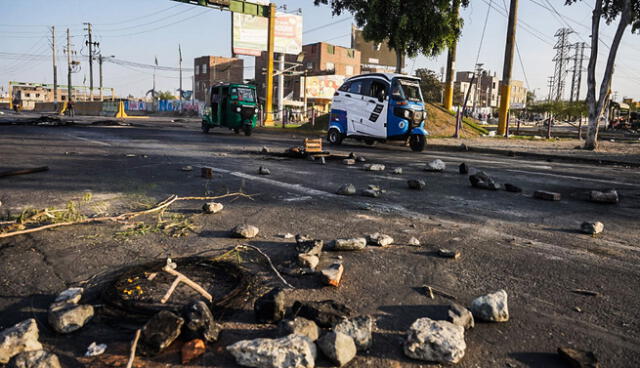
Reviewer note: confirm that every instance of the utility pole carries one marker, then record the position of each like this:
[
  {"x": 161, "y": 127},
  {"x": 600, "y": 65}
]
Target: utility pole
[
  {"x": 580, "y": 70},
  {"x": 69, "y": 64},
  {"x": 281, "y": 87},
  {"x": 270, "y": 48},
  {"x": 55, "y": 66},
  {"x": 550, "y": 84},
  {"x": 180, "y": 67},
  {"x": 91, "y": 44},
  {"x": 505, "y": 100},
  {"x": 100, "y": 58},
  {"x": 476, "y": 90},
  {"x": 451, "y": 65},
  {"x": 562, "y": 54}
]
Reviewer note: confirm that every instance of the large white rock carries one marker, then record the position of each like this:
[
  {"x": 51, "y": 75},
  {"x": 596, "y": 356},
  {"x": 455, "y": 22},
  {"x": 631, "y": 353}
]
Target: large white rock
[
  {"x": 435, "y": 341},
  {"x": 66, "y": 315},
  {"x": 338, "y": 347},
  {"x": 491, "y": 307},
  {"x": 350, "y": 244},
  {"x": 21, "y": 337},
  {"x": 35, "y": 359},
  {"x": 436, "y": 165},
  {"x": 359, "y": 328},
  {"x": 293, "y": 351}
]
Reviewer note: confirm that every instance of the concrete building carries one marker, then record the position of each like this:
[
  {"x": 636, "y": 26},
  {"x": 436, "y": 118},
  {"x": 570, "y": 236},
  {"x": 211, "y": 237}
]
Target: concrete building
[
  {"x": 518, "y": 95},
  {"x": 211, "y": 70},
  {"x": 486, "y": 92},
  {"x": 375, "y": 57}
]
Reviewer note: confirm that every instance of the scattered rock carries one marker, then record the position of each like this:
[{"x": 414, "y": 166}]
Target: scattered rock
[
  {"x": 463, "y": 168},
  {"x": 199, "y": 322},
  {"x": 286, "y": 235},
  {"x": 271, "y": 306},
  {"x": 333, "y": 274},
  {"x": 461, "y": 316},
  {"x": 413, "y": 241},
  {"x": 264, "y": 149},
  {"x": 370, "y": 193},
  {"x": 309, "y": 261},
  {"x": 293, "y": 351},
  {"x": 300, "y": 326},
  {"x": 322, "y": 160},
  {"x": 95, "y": 349},
  {"x": 159, "y": 332},
  {"x": 547, "y": 196},
  {"x": 349, "y": 161},
  {"x": 483, "y": 181},
  {"x": 360, "y": 329},
  {"x": 192, "y": 349},
  {"x": 381, "y": 240},
  {"x": 609, "y": 196},
  {"x": 435, "y": 341},
  {"x": 187, "y": 168},
  {"x": 436, "y": 166},
  {"x": 21, "y": 337},
  {"x": 338, "y": 347},
  {"x": 512, "y": 188},
  {"x": 245, "y": 231},
  {"x": 66, "y": 315},
  {"x": 326, "y": 313},
  {"x": 306, "y": 245},
  {"x": 397, "y": 171},
  {"x": 35, "y": 359},
  {"x": 212, "y": 207},
  {"x": 579, "y": 358},
  {"x": 448, "y": 253},
  {"x": 373, "y": 167},
  {"x": 416, "y": 184},
  {"x": 349, "y": 244},
  {"x": 491, "y": 307},
  {"x": 375, "y": 187},
  {"x": 264, "y": 171},
  {"x": 592, "y": 228},
  {"x": 361, "y": 159},
  {"x": 464, "y": 147},
  {"x": 206, "y": 172},
  {"x": 347, "y": 189}
]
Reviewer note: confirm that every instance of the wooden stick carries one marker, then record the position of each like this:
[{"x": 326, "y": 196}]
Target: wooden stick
[
  {"x": 23, "y": 171},
  {"x": 167, "y": 295},
  {"x": 134, "y": 346},
  {"x": 270, "y": 264},
  {"x": 433, "y": 290},
  {"x": 186, "y": 280},
  {"x": 585, "y": 292}
]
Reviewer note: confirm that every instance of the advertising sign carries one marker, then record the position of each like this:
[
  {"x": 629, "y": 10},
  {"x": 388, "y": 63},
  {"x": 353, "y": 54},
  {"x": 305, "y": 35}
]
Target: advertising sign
[
  {"x": 250, "y": 34},
  {"x": 322, "y": 86}
]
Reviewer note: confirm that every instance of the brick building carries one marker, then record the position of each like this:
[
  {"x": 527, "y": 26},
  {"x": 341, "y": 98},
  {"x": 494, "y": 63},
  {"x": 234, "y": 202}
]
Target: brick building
[
  {"x": 211, "y": 70},
  {"x": 375, "y": 57}
]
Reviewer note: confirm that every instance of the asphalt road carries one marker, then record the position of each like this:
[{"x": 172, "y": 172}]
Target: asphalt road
[{"x": 531, "y": 248}]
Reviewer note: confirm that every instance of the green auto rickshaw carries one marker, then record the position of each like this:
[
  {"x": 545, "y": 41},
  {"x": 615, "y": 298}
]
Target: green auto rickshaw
[{"x": 231, "y": 105}]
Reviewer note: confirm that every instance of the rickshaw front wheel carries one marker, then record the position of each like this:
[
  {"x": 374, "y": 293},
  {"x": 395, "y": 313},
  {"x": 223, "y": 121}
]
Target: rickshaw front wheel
[
  {"x": 247, "y": 131},
  {"x": 417, "y": 142},
  {"x": 334, "y": 136}
]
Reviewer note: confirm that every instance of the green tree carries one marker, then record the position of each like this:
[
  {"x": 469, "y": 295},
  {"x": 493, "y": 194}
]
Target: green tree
[
  {"x": 430, "y": 85},
  {"x": 628, "y": 13},
  {"x": 166, "y": 95},
  {"x": 409, "y": 27}
]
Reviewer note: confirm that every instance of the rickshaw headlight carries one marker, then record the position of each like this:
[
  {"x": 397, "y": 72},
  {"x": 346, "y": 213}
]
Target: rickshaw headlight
[
  {"x": 255, "y": 110},
  {"x": 407, "y": 114},
  {"x": 238, "y": 109}
]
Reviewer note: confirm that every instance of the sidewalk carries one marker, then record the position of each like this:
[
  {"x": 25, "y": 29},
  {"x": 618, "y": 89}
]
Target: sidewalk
[{"x": 608, "y": 153}]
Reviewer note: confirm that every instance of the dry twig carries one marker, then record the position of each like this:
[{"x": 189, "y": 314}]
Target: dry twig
[
  {"x": 134, "y": 346},
  {"x": 182, "y": 278},
  {"x": 270, "y": 263}
]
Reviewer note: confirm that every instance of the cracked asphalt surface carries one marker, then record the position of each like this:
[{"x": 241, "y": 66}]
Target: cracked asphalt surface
[{"x": 531, "y": 248}]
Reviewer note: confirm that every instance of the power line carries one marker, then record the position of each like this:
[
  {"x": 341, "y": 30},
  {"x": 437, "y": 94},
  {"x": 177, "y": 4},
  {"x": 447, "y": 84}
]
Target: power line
[
  {"x": 135, "y": 19},
  {"x": 115, "y": 30},
  {"x": 326, "y": 25},
  {"x": 156, "y": 28}
]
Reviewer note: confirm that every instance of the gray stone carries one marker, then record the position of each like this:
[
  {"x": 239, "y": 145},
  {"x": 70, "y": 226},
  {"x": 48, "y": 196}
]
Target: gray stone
[
  {"x": 435, "y": 341},
  {"x": 70, "y": 295},
  {"x": 245, "y": 231},
  {"x": 187, "y": 168},
  {"x": 199, "y": 322},
  {"x": 370, "y": 193},
  {"x": 374, "y": 187},
  {"x": 309, "y": 261},
  {"x": 349, "y": 161},
  {"x": 95, "y": 349},
  {"x": 463, "y": 168},
  {"x": 264, "y": 149},
  {"x": 212, "y": 207},
  {"x": 546, "y": 195},
  {"x": 338, "y": 347},
  {"x": 347, "y": 189},
  {"x": 35, "y": 359},
  {"x": 159, "y": 332},
  {"x": 381, "y": 240},
  {"x": 21, "y": 337},
  {"x": 579, "y": 358},
  {"x": 416, "y": 184},
  {"x": 414, "y": 241},
  {"x": 350, "y": 244},
  {"x": 374, "y": 167},
  {"x": 300, "y": 326},
  {"x": 609, "y": 196},
  {"x": 592, "y": 228},
  {"x": 293, "y": 351},
  {"x": 448, "y": 253},
  {"x": 271, "y": 306},
  {"x": 306, "y": 245},
  {"x": 436, "y": 166},
  {"x": 333, "y": 274},
  {"x": 483, "y": 181},
  {"x": 264, "y": 171},
  {"x": 397, "y": 171},
  {"x": 461, "y": 316},
  {"x": 66, "y": 315},
  {"x": 359, "y": 328},
  {"x": 361, "y": 159},
  {"x": 491, "y": 307},
  {"x": 326, "y": 313}
]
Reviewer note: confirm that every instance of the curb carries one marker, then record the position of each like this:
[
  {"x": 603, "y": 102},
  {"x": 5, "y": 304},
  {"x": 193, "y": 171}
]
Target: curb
[{"x": 542, "y": 156}]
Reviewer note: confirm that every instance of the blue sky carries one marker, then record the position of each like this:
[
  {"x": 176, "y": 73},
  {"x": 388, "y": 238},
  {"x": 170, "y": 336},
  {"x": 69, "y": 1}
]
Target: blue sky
[{"x": 141, "y": 30}]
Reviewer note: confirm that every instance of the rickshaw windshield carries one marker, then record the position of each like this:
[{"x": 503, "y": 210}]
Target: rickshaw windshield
[
  {"x": 246, "y": 94},
  {"x": 404, "y": 89}
]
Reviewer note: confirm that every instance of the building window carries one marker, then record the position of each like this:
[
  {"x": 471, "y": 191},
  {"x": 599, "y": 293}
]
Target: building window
[
  {"x": 330, "y": 66},
  {"x": 348, "y": 70},
  {"x": 197, "y": 70},
  {"x": 204, "y": 68},
  {"x": 37, "y": 95},
  {"x": 28, "y": 94},
  {"x": 331, "y": 49},
  {"x": 310, "y": 65},
  {"x": 351, "y": 53}
]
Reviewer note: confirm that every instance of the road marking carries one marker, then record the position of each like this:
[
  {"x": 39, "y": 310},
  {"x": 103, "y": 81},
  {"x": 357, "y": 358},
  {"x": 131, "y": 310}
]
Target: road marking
[
  {"x": 576, "y": 178},
  {"x": 89, "y": 140}
]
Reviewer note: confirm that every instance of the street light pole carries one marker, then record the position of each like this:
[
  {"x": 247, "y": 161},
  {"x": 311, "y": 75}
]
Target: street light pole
[{"x": 505, "y": 100}]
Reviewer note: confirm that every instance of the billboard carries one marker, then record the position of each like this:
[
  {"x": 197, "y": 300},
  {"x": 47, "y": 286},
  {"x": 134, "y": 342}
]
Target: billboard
[
  {"x": 373, "y": 54},
  {"x": 250, "y": 34},
  {"x": 321, "y": 86}
]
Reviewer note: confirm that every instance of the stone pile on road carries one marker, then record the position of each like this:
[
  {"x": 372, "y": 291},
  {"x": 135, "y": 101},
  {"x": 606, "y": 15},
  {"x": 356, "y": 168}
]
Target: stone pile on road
[
  {"x": 66, "y": 315},
  {"x": 609, "y": 196},
  {"x": 436, "y": 166},
  {"x": 380, "y": 240},
  {"x": 483, "y": 181}
]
